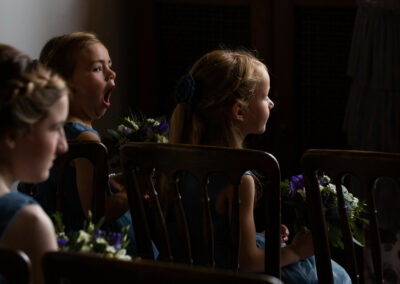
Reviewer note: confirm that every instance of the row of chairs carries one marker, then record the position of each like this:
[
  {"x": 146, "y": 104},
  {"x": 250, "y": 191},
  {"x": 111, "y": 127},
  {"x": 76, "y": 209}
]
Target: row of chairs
[
  {"x": 139, "y": 160},
  {"x": 81, "y": 268}
]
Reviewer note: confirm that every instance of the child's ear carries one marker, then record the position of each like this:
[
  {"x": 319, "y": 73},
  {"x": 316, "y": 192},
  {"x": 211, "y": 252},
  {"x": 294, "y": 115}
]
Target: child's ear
[
  {"x": 238, "y": 111},
  {"x": 9, "y": 141}
]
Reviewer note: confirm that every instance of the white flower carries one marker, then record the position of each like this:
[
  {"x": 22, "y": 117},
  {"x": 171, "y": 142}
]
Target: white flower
[
  {"x": 302, "y": 192},
  {"x": 83, "y": 237},
  {"x": 150, "y": 120},
  {"x": 328, "y": 179},
  {"x": 161, "y": 139},
  {"x": 121, "y": 254},
  {"x": 110, "y": 249},
  {"x": 332, "y": 188},
  {"x": 101, "y": 241},
  {"x": 85, "y": 248},
  {"x": 123, "y": 257},
  {"x": 346, "y": 192},
  {"x": 354, "y": 203},
  {"x": 135, "y": 126}
]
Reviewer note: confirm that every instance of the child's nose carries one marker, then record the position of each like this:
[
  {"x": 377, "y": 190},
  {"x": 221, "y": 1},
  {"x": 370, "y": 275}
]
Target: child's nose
[
  {"x": 111, "y": 74},
  {"x": 62, "y": 145},
  {"x": 271, "y": 104}
]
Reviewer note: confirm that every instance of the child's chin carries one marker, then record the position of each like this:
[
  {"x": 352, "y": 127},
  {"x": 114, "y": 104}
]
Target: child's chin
[{"x": 40, "y": 178}]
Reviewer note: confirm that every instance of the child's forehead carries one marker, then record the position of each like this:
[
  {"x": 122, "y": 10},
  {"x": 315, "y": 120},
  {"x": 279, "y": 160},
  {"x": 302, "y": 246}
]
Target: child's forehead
[{"x": 93, "y": 51}]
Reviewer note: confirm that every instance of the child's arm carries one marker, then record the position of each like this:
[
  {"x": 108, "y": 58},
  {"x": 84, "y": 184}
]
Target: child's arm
[
  {"x": 116, "y": 204},
  {"x": 84, "y": 174},
  {"x": 251, "y": 258}
]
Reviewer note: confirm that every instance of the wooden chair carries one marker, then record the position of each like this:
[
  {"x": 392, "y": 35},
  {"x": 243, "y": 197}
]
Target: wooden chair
[
  {"x": 367, "y": 167},
  {"x": 14, "y": 266},
  {"x": 96, "y": 153},
  {"x": 82, "y": 268},
  {"x": 139, "y": 161}
]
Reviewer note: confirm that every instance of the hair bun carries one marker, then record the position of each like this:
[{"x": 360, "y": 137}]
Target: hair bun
[{"x": 185, "y": 89}]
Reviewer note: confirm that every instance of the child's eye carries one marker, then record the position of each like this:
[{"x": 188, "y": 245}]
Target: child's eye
[{"x": 97, "y": 69}]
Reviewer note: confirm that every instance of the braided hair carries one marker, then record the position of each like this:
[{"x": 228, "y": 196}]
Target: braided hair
[{"x": 27, "y": 91}]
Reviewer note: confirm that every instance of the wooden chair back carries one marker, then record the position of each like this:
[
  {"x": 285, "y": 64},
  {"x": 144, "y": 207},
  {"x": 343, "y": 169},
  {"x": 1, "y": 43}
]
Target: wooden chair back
[
  {"x": 82, "y": 268},
  {"x": 139, "y": 161},
  {"x": 367, "y": 167},
  {"x": 96, "y": 153},
  {"x": 14, "y": 266}
]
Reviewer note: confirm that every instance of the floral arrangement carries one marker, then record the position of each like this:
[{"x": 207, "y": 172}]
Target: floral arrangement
[
  {"x": 92, "y": 239},
  {"x": 134, "y": 128},
  {"x": 137, "y": 128},
  {"x": 294, "y": 195}
]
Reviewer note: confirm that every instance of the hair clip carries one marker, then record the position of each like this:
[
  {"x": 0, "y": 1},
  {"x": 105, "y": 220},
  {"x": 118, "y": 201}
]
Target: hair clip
[{"x": 185, "y": 89}]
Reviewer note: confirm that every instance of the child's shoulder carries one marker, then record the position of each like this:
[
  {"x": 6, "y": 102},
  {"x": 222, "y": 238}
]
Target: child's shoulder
[
  {"x": 78, "y": 131},
  {"x": 88, "y": 136}
]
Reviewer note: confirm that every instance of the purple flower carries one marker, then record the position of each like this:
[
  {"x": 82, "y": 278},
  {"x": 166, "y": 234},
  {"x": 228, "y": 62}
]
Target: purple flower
[
  {"x": 61, "y": 242},
  {"x": 323, "y": 182},
  {"x": 296, "y": 182},
  {"x": 115, "y": 240},
  {"x": 127, "y": 131},
  {"x": 98, "y": 233},
  {"x": 164, "y": 127}
]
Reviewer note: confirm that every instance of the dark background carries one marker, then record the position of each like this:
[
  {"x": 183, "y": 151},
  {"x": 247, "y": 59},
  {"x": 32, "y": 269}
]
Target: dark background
[{"x": 305, "y": 45}]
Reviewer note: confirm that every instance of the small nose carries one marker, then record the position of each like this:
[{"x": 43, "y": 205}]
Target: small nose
[
  {"x": 111, "y": 74},
  {"x": 62, "y": 145},
  {"x": 271, "y": 105}
]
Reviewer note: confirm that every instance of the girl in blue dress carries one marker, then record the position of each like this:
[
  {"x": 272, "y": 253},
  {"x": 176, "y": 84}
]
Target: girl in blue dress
[
  {"x": 33, "y": 109},
  {"x": 222, "y": 99},
  {"x": 83, "y": 61}
]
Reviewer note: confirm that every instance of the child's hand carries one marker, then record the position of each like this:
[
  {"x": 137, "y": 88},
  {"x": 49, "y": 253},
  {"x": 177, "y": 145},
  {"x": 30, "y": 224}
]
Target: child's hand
[
  {"x": 302, "y": 243},
  {"x": 284, "y": 233},
  {"x": 117, "y": 182}
]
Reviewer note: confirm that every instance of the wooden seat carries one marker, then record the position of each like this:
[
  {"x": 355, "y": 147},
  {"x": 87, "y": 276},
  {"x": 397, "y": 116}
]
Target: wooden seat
[
  {"x": 96, "y": 153},
  {"x": 82, "y": 268},
  {"x": 367, "y": 167},
  {"x": 139, "y": 161},
  {"x": 14, "y": 266}
]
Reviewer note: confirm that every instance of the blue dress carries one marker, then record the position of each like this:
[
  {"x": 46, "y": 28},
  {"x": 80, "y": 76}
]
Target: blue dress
[
  {"x": 73, "y": 216},
  {"x": 300, "y": 272},
  {"x": 10, "y": 205}
]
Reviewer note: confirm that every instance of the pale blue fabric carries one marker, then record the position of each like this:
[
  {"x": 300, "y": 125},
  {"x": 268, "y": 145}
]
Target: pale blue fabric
[
  {"x": 305, "y": 271},
  {"x": 11, "y": 205}
]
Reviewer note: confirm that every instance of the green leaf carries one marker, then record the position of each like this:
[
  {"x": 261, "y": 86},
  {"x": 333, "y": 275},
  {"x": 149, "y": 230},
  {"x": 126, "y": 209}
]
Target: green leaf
[
  {"x": 99, "y": 224},
  {"x": 58, "y": 222}
]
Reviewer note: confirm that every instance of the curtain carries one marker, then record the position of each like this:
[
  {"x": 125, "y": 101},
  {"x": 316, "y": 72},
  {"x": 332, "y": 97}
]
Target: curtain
[{"x": 372, "y": 117}]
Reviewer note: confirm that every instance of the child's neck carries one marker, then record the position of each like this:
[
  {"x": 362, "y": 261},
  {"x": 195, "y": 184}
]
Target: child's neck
[
  {"x": 87, "y": 123},
  {"x": 5, "y": 185}
]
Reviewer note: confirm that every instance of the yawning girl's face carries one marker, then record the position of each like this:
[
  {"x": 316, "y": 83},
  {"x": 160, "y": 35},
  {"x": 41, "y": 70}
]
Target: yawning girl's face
[{"x": 91, "y": 83}]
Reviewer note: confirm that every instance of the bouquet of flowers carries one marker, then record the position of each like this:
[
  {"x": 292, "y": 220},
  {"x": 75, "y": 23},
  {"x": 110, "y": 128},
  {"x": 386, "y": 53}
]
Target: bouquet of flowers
[
  {"x": 294, "y": 195},
  {"x": 92, "y": 239},
  {"x": 137, "y": 128}
]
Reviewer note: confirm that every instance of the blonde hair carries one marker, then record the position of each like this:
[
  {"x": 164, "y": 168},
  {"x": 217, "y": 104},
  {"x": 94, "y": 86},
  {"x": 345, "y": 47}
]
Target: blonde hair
[
  {"x": 220, "y": 79},
  {"x": 59, "y": 52},
  {"x": 27, "y": 94}
]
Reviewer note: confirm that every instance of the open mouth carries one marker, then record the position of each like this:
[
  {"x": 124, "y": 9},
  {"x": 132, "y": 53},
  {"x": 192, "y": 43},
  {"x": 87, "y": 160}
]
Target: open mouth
[{"x": 107, "y": 96}]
